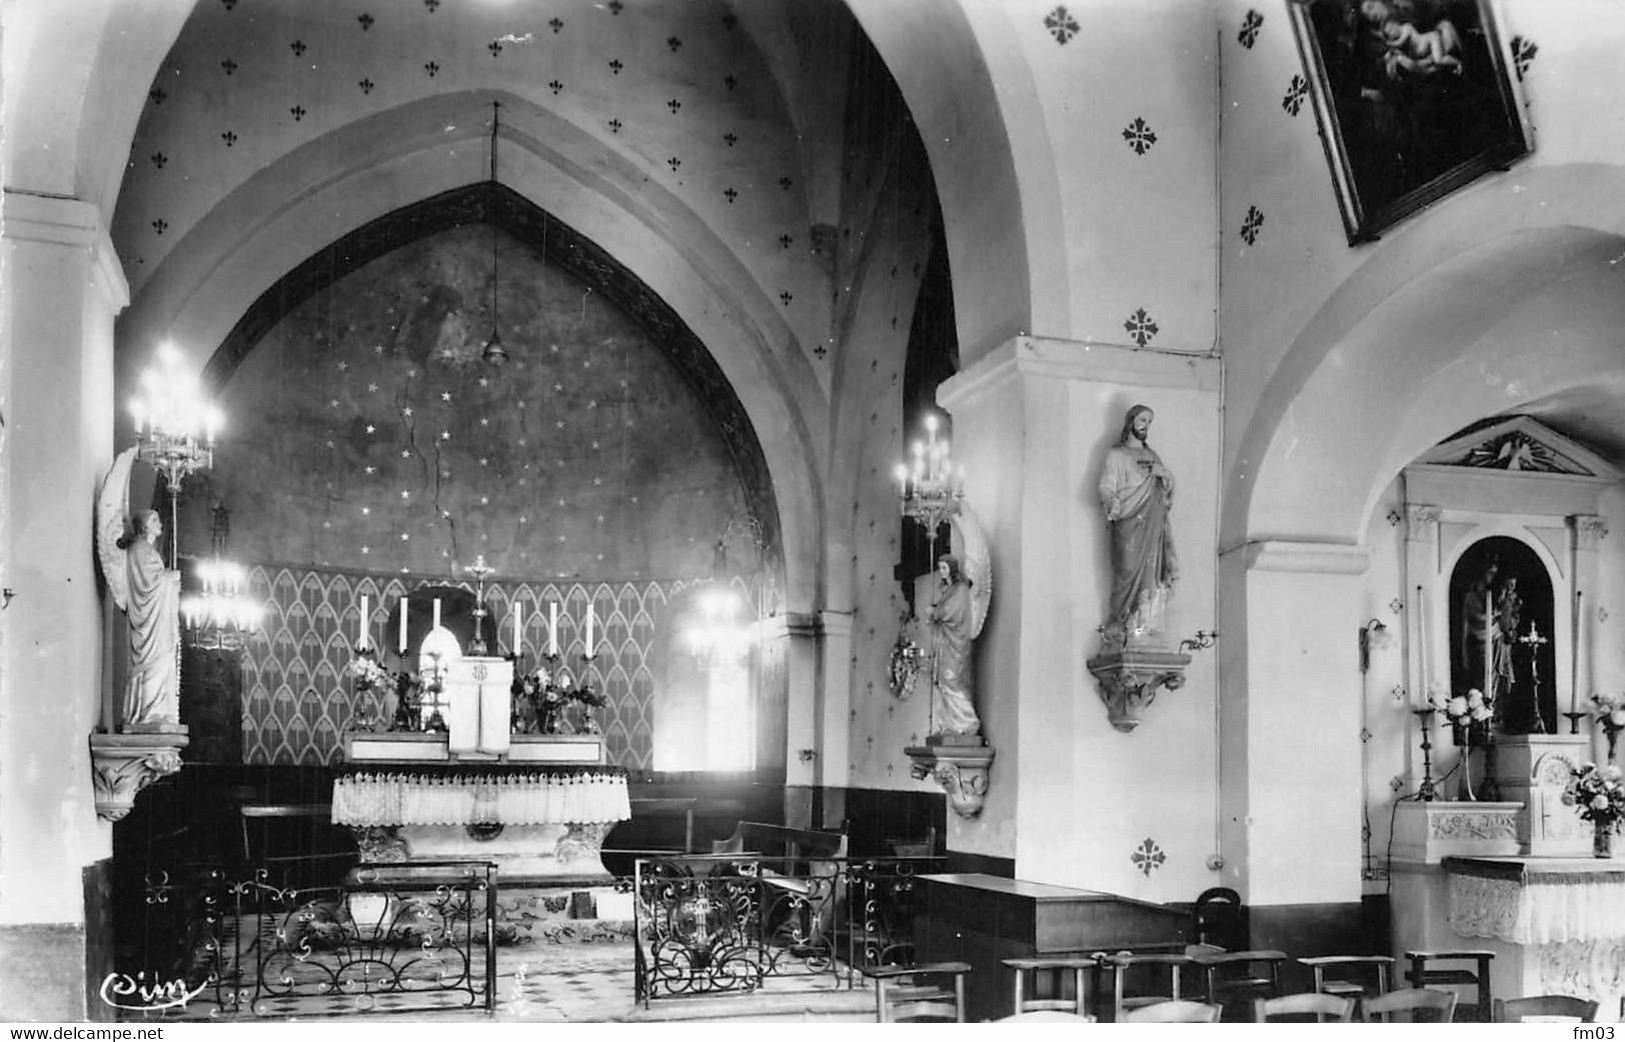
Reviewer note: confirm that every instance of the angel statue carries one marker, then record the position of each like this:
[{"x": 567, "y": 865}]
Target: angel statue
[
  {"x": 955, "y": 619},
  {"x": 149, "y": 595}
]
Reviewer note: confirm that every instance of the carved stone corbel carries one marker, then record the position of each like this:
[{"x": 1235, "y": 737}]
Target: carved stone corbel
[
  {"x": 961, "y": 770},
  {"x": 1130, "y": 679},
  {"x": 121, "y": 765}
]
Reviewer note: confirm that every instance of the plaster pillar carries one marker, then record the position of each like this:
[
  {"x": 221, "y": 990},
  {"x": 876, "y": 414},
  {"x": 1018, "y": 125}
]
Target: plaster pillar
[
  {"x": 62, "y": 288},
  {"x": 1292, "y": 722},
  {"x": 795, "y": 635},
  {"x": 1031, "y": 424},
  {"x": 831, "y": 764}
]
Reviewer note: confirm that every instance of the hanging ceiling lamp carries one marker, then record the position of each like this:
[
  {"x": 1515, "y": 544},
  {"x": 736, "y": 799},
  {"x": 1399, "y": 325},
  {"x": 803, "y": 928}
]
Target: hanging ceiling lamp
[{"x": 494, "y": 353}]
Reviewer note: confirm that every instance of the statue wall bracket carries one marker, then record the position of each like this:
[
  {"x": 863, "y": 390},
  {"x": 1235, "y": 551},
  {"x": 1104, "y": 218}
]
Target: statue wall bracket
[
  {"x": 121, "y": 765},
  {"x": 959, "y": 767},
  {"x": 1130, "y": 678}
]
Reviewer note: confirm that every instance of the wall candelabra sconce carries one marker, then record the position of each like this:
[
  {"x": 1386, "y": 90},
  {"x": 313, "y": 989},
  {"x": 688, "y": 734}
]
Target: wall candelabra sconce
[{"x": 1373, "y": 634}]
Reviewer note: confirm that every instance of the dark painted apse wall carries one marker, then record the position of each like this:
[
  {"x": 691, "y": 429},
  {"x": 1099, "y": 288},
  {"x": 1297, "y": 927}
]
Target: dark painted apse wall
[{"x": 366, "y": 432}]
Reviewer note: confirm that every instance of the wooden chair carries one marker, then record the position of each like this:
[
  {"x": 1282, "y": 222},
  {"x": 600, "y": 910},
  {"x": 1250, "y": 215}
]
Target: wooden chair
[
  {"x": 1026, "y": 991},
  {"x": 1324, "y": 1008},
  {"x": 1511, "y": 1011},
  {"x": 1422, "y": 975},
  {"x": 900, "y": 997},
  {"x": 1439, "y": 1005},
  {"x": 1121, "y": 964},
  {"x": 1179, "y": 1011},
  {"x": 1240, "y": 976},
  {"x": 1217, "y": 918},
  {"x": 1324, "y": 966},
  {"x": 1045, "y": 1016}
]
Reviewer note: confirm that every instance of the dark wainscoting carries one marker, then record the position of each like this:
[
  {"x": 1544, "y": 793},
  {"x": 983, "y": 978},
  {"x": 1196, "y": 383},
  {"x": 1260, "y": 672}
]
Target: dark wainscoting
[
  {"x": 877, "y": 817},
  {"x": 1318, "y": 929}
]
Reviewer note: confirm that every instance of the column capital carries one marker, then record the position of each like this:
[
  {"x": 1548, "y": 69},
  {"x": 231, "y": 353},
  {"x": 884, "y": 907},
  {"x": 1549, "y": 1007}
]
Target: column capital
[
  {"x": 55, "y": 221},
  {"x": 1054, "y": 359},
  {"x": 1589, "y": 531},
  {"x": 1286, "y": 555},
  {"x": 1422, "y": 522}
]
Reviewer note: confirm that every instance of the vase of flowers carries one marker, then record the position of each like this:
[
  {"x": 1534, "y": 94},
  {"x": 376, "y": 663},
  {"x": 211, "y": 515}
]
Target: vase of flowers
[
  {"x": 1599, "y": 796},
  {"x": 1466, "y": 713},
  {"x": 1610, "y": 713}
]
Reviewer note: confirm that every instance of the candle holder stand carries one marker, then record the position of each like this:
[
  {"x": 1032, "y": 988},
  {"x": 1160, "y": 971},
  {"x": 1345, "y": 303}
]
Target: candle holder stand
[{"x": 1426, "y": 792}]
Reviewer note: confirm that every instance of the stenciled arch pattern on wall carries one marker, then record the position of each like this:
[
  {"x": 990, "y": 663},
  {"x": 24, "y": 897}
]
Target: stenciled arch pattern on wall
[
  {"x": 494, "y": 203},
  {"x": 298, "y": 701}
]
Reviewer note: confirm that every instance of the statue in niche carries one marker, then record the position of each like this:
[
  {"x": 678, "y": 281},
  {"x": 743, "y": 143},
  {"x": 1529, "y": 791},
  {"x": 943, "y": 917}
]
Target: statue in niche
[
  {"x": 149, "y": 595},
  {"x": 1136, "y": 492},
  {"x": 1478, "y": 629},
  {"x": 1501, "y": 609}
]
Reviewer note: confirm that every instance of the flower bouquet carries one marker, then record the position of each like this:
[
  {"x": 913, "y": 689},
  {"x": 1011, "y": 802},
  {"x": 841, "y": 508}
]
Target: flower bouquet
[
  {"x": 1610, "y": 713},
  {"x": 366, "y": 671},
  {"x": 1467, "y": 714},
  {"x": 1599, "y": 796}
]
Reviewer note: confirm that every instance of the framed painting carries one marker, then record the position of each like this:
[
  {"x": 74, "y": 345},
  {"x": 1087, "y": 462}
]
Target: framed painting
[{"x": 1413, "y": 99}]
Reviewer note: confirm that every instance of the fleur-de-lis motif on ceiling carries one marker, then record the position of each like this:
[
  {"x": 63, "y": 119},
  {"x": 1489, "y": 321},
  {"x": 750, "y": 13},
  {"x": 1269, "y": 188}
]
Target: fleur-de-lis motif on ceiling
[
  {"x": 228, "y": 66},
  {"x": 297, "y": 47},
  {"x": 785, "y": 183},
  {"x": 366, "y": 21},
  {"x": 432, "y": 5},
  {"x": 1148, "y": 857},
  {"x": 555, "y": 86},
  {"x": 1295, "y": 92},
  {"x": 1139, "y": 136},
  {"x": 1061, "y": 25},
  {"x": 615, "y": 66},
  {"x": 614, "y": 126},
  {"x": 555, "y": 24},
  {"x": 786, "y": 297},
  {"x": 431, "y": 68},
  {"x": 159, "y": 159},
  {"x": 1252, "y": 224},
  {"x": 785, "y": 240},
  {"x": 674, "y": 43},
  {"x": 297, "y": 112},
  {"x": 674, "y": 163},
  {"x": 495, "y": 47},
  {"x": 615, "y": 6},
  {"x": 731, "y": 194},
  {"x": 160, "y": 226},
  {"x": 157, "y": 95},
  {"x": 366, "y": 86},
  {"x": 674, "y": 105},
  {"x": 1141, "y": 327},
  {"x": 1250, "y": 24},
  {"x": 229, "y": 137},
  {"x": 730, "y": 139},
  {"x": 730, "y": 81}
]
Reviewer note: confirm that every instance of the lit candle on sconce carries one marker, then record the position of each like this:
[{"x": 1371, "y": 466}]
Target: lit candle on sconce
[
  {"x": 518, "y": 628},
  {"x": 403, "y": 628},
  {"x": 902, "y": 479},
  {"x": 362, "y": 625},
  {"x": 436, "y": 614},
  {"x": 553, "y": 628},
  {"x": 589, "y": 629}
]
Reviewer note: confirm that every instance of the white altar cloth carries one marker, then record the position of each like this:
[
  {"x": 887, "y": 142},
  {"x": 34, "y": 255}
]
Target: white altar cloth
[
  {"x": 519, "y": 798},
  {"x": 1537, "y": 900}
]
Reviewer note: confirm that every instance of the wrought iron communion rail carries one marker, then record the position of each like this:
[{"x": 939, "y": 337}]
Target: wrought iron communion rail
[
  {"x": 389, "y": 938},
  {"x": 719, "y": 923}
]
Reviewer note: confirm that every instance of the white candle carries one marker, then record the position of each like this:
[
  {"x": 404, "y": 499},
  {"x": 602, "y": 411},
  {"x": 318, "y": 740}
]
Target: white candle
[
  {"x": 403, "y": 627},
  {"x": 362, "y": 624},
  {"x": 518, "y": 631},
  {"x": 436, "y": 613},
  {"x": 589, "y": 629},
  {"x": 553, "y": 628},
  {"x": 1422, "y": 642}
]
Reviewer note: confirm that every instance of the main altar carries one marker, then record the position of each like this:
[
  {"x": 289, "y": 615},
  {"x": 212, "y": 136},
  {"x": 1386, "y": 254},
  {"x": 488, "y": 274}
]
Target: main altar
[{"x": 469, "y": 761}]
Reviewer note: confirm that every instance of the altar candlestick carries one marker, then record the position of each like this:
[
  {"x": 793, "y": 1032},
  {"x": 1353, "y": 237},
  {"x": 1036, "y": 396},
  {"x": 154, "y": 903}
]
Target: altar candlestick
[
  {"x": 589, "y": 629},
  {"x": 362, "y": 624},
  {"x": 1422, "y": 644},
  {"x": 436, "y": 613},
  {"x": 553, "y": 628},
  {"x": 518, "y": 631},
  {"x": 403, "y": 627},
  {"x": 1574, "y": 664}
]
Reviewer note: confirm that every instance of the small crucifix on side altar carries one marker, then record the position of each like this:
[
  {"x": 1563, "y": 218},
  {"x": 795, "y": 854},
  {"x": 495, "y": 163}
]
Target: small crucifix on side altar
[{"x": 1533, "y": 640}]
